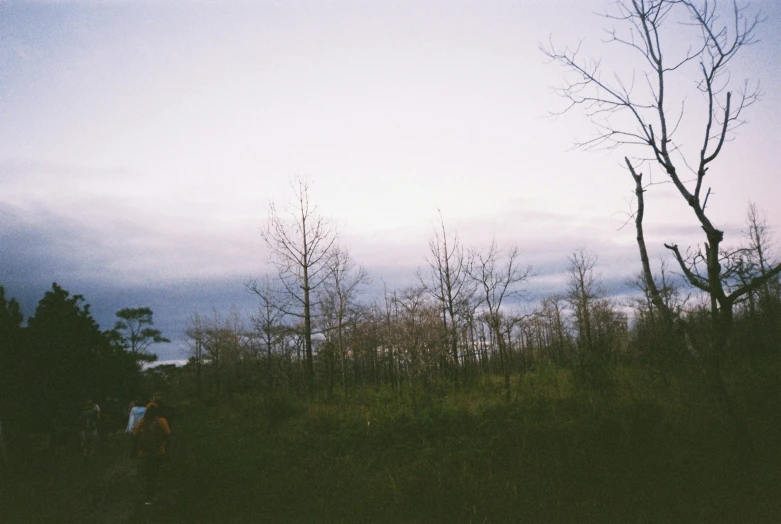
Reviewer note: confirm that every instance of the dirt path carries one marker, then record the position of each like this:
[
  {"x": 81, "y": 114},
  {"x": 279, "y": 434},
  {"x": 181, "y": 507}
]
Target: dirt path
[{"x": 66, "y": 489}]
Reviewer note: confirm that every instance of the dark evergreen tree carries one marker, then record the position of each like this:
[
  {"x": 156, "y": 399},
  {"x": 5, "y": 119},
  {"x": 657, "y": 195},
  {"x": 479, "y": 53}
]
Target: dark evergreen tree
[
  {"x": 135, "y": 333},
  {"x": 11, "y": 343},
  {"x": 69, "y": 359}
]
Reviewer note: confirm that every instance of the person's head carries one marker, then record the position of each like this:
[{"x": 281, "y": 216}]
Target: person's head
[
  {"x": 151, "y": 411},
  {"x": 89, "y": 404}
]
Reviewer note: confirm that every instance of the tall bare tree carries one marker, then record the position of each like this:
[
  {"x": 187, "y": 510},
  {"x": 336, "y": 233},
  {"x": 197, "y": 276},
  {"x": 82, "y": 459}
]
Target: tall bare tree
[
  {"x": 551, "y": 313},
  {"x": 646, "y": 115},
  {"x": 582, "y": 292},
  {"x": 421, "y": 343},
  {"x": 271, "y": 311},
  {"x": 338, "y": 307},
  {"x": 269, "y": 321},
  {"x": 302, "y": 246},
  {"x": 220, "y": 339},
  {"x": 448, "y": 282},
  {"x": 760, "y": 245},
  {"x": 498, "y": 275},
  {"x": 763, "y": 303}
]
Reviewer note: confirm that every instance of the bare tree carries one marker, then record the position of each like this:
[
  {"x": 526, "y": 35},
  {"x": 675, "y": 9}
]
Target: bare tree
[
  {"x": 582, "y": 292},
  {"x": 601, "y": 328},
  {"x": 372, "y": 342},
  {"x": 498, "y": 276},
  {"x": 220, "y": 339},
  {"x": 642, "y": 115},
  {"x": 421, "y": 342},
  {"x": 558, "y": 339},
  {"x": 269, "y": 320},
  {"x": 762, "y": 305},
  {"x": 760, "y": 245},
  {"x": 302, "y": 245},
  {"x": 448, "y": 283},
  {"x": 338, "y": 307}
]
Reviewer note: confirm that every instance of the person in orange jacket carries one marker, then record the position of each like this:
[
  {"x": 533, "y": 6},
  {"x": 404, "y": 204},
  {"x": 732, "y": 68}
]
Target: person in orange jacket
[{"x": 150, "y": 438}]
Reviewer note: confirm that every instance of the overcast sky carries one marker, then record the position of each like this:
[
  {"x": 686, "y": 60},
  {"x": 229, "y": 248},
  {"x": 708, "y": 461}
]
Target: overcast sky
[{"x": 140, "y": 143}]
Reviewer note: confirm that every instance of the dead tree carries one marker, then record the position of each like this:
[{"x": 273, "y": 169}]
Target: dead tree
[
  {"x": 582, "y": 292},
  {"x": 641, "y": 116},
  {"x": 449, "y": 284},
  {"x": 339, "y": 309},
  {"x": 498, "y": 276},
  {"x": 269, "y": 321},
  {"x": 760, "y": 245},
  {"x": 302, "y": 245}
]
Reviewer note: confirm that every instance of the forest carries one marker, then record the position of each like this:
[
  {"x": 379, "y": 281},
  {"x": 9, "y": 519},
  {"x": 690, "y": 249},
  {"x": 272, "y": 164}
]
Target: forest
[{"x": 459, "y": 397}]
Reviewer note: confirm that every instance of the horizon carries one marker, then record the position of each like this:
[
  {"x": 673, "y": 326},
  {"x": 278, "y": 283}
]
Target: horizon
[{"x": 142, "y": 141}]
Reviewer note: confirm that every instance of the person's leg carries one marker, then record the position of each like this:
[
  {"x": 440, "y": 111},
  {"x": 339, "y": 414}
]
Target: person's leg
[
  {"x": 93, "y": 438},
  {"x": 152, "y": 474},
  {"x": 157, "y": 465},
  {"x": 146, "y": 469}
]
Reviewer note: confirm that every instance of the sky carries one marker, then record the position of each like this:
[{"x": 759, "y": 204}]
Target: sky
[{"x": 141, "y": 142}]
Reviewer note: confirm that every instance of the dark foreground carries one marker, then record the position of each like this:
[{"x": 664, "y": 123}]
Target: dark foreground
[
  {"x": 644, "y": 449},
  {"x": 58, "y": 485}
]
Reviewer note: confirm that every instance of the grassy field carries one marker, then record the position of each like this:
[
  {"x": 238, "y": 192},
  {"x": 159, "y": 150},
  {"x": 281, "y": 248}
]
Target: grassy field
[{"x": 641, "y": 448}]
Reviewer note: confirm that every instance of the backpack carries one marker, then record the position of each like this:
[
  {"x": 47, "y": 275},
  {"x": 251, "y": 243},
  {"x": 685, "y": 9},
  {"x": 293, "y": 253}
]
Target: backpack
[{"x": 150, "y": 437}]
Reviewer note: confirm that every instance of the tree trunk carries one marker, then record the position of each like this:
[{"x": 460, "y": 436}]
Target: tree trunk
[
  {"x": 310, "y": 370},
  {"x": 503, "y": 357}
]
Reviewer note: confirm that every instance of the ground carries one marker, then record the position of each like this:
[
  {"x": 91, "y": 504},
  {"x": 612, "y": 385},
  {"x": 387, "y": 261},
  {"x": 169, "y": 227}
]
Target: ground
[{"x": 61, "y": 487}]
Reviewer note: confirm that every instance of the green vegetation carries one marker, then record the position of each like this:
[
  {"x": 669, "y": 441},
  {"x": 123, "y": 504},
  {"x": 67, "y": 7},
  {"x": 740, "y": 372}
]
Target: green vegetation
[
  {"x": 59, "y": 359},
  {"x": 644, "y": 450}
]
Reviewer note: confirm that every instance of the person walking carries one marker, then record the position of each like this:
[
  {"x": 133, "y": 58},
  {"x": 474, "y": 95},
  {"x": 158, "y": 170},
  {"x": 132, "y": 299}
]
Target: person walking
[
  {"x": 150, "y": 438},
  {"x": 88, "y": 424},
  {"x": 137, "y": 410}
]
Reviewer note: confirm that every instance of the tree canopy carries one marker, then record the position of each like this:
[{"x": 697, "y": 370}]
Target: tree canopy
[
  {"x": 135, "y": 333},
  {"x": 58, "y": 360}
]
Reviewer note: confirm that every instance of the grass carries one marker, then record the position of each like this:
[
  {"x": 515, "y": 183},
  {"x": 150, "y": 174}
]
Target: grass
[{"x": 641, "y": 450}]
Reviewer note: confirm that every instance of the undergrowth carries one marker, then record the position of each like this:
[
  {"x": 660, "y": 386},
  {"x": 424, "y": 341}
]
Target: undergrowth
[{"x": 642, "y": 447}]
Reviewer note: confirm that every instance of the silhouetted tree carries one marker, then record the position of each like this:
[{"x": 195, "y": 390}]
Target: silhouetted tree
[
  {"x": 582, "y": 292},
  {"x": 656, "y": 332},
  {"x": 269, "y": 321},
  {"x": 447, "y": 281},
  {"x": 338, "y": 310},
  {"x": 222, "y": 341},
  {"x": 557, "y": 338},
  {"x": 72, "y": 359},
  {"x": 13, "y": 365},
  {"x": 498, "y": 277},
  {"x": 135, "y": 332},
  {"x": 301, "y": 245},
  {"x": 646, "y": 117},
  {"x": 760, "y": 322}
]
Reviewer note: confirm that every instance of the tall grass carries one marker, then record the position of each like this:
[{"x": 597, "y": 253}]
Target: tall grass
[{"x": 639, "y": 448}]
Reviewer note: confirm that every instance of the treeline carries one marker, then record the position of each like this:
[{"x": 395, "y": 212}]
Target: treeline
[
  {"x": 463, "y": 318},
  {"x": 59, "y": 358}
]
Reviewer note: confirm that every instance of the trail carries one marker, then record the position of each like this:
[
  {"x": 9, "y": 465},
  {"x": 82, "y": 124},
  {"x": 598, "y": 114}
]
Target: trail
[{"x": 62, "y": 487}]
